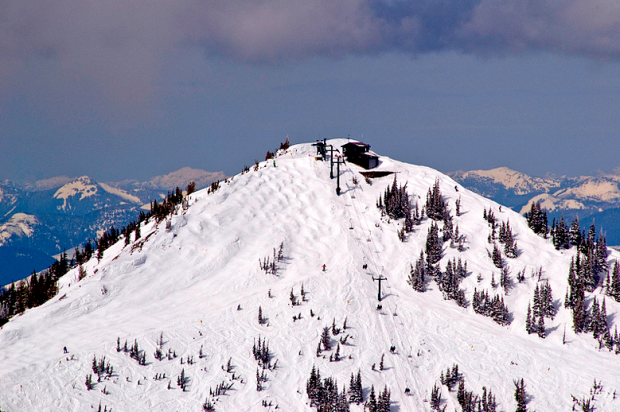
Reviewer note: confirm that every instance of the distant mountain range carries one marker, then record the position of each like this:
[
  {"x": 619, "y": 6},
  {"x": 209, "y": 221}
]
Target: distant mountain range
[
  {"x": 43, "y": 219},
  {"x": 590, "y": 198}
]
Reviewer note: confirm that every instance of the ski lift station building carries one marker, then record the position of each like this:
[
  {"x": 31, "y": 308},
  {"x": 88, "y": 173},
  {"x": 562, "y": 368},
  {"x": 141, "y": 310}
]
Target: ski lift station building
[{"x": 360, "y": 154}]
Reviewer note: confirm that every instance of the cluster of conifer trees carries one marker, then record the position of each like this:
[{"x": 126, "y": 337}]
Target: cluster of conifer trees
[
  {"x": 450, "y": 280},
  {"x": 494, "y": 307},
  {"x": 541, "y": 308},
  {"x": 505, "y": 237},
  {"x": 159, "y": 211},
  {"x": 325, "y": 396},
  {"x": 102, "y": 368},
  {"x": 585, "y": 272},
  {"x": 261, "y": 353},
  {"x": 469, "y": 401},
  {"x": 537, "y": 219},
  {"x": 32, "y": 291},
  {"x": 565, "y": 237},
  {"x": 436, "y": 206},
  {"x": 395, "y": 204}
]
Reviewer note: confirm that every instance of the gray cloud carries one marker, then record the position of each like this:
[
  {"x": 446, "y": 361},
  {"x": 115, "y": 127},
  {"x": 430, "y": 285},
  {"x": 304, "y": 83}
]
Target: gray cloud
[{"x": 113, "y": 50}]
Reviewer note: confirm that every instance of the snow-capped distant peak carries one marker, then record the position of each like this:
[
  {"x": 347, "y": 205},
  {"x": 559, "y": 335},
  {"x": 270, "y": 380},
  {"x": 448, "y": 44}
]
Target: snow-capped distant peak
[
  {"x": 120, "y": 193},
  {"x": 82, "y": 186},
  {"x": 511, "y": 179},
  {"x": 183, "y": 176},
  {"x": 52, "y": 183},
  {"x": 20, "y": 225}
]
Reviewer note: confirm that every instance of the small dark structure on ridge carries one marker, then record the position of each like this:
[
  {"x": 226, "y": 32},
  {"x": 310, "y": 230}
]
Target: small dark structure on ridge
[{"x": 360, "y": 154}]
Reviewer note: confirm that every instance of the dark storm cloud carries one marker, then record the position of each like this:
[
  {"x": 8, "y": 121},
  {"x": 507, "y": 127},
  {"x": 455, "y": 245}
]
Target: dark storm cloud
[{"x": 115, "y": 48}]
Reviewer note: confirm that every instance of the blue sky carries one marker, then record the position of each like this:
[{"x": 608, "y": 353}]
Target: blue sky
[{"x": 122, "y": 90}]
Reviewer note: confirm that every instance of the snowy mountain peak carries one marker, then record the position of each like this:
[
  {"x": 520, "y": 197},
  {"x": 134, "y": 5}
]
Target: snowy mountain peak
[
  {"x": 193, "y": 284},
  {"x": 519, "y": 182},
  {"x": 82, "y": 186},
  {"x": 20, "y": 225}
]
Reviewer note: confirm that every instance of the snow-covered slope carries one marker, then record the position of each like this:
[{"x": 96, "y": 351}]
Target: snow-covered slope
[{"x": 200, "y": 285}]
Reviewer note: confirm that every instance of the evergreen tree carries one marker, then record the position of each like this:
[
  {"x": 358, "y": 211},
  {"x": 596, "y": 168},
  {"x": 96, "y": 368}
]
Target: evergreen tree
[
  {"x": 496, "y": 256},
  {"x": 433, "y": 245},
  {"x": 520, "y": 396},
  {"x": 383, "y": 404},
  {"x": 416, "y": 275},
  {"x": 560, "y": 235},
  {"x": 528, "y": 320},
  {"x": 261, "y": 320},
  {"x": 574, "y": 233},
  {"x": 537, "y": 219},
  {"x": 540, "y": 328},
  {"x": 613, "y": 288},
  {"x": 537, "y": 302},
  {"x": 371, "y": 403},
  {"x": 326, "y": 339},
  {"x": 435, "y": 398},
  {"x": 395, "y": 203},
  {"x": 436, "y": 207},
  {"x": 355, "y": 388},
  {"x": 546, "y": 301},
  {"x": 580, "y": 314}
]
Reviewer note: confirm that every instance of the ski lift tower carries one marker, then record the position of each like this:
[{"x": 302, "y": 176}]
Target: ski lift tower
[
  {"x": 380, "y": 278},
  {"x": 339, "y": 160}
]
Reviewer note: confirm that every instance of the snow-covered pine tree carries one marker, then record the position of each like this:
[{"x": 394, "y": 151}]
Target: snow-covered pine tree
[
  {"x": 261, "y": 320},
  {"x": 436, "y": 207},
  {"x": 536, "y": 306},
  {"x": 355, "y": 388},
  {"x": 435, "y": 397},
  {"x": 383, "y": 404},
  {"x": 371, "y": 403},
  {"x": 574, "y": 233},
  {"x": 537, "y": 219},
  {"x": 520, "y": 396},
  {"x": 613, "y": 288},
  {"x": 488, "y": 403},
  {"x": 580, "y": 314},
  {"x": 504, "y": 279},
  {"x": 528, "y": 320},
  {"x": 395, "y": 201},
  {"x": 326, "y": 339},
  {"x": 496, "y": 256},
  {"x": 507, "y": 239},
  {"x": 433, "y": 251},
  {"x": 560, "y": 234},
  {"x": 546, "y": 301},
  {"x": 448, "y": 227},
  {"x": 417, "y": 275},
  {"x": 540, "y": 327}
]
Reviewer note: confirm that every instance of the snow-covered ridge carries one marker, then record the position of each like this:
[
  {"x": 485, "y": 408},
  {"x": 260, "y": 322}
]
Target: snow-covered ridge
[
  {"x": 199, "y": 283},
  {"x": 20, "y": 225},
  {"x": 120, "y": 193},
  {"x": 519, "y": 182},
  {"x": 82, "y": 186}
]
